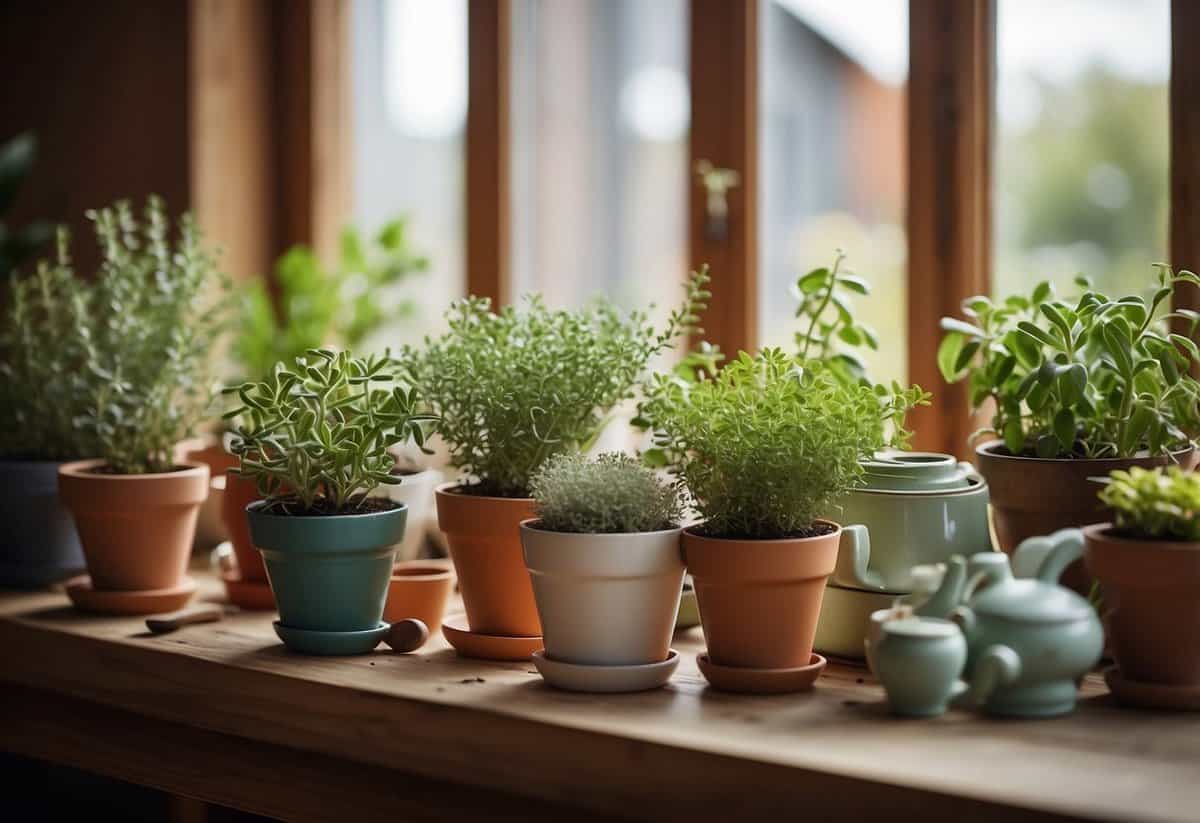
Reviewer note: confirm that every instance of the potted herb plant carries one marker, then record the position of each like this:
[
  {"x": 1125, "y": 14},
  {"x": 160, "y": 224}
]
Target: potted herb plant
[
  {"x": 603, "y": 555},
  {"x": 1148, "y": 564},
  {"x": 146, "y": 328},
  {"x": 514, "y": 388},
  {"x": 765, "y": 446},
  {"x": 314, "y": 436},
  {"x": 41, "y": 359},
  {"x": 1077, "y": 389}
]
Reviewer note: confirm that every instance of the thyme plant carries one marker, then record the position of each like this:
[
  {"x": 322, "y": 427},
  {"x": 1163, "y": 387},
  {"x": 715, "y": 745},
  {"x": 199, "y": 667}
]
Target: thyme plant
[
  {"x": 315, "y": 435},
  {"x": 1155, "y": 504},
  {"x": 1085, "y": 378},
  {"x": 125, "y": 356},
  {"x": 613, "y": 494},
  {"x": 517, "y": 386}
]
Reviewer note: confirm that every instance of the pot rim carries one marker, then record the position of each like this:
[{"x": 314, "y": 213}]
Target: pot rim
[
  {"x": 429, "y": 572},
  {"x": 527, "y": 525},
  {"x": 977, "y": 485},
  {"x": 688, "y": 532},
  {"x": 1104, "y": 533},
  {"x": 985, "y": 450},
  {"x": 251, "y": 509},
  {"x": 78, "y": 469},
  {"x": 446, "y": 489}
]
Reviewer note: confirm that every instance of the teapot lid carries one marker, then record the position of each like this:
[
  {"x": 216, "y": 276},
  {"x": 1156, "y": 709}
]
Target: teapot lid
[
  {"x": 915, "y": 471},
  {"x": 1031, "y": 601},
  {"x": 921, "y": 627}
]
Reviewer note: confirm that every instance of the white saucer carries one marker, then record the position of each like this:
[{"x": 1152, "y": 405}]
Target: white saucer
[{"x": 578, "y": 678}]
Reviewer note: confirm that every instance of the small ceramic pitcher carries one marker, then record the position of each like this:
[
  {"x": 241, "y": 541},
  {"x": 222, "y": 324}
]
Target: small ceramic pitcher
[{"x": 919, "y": 661}]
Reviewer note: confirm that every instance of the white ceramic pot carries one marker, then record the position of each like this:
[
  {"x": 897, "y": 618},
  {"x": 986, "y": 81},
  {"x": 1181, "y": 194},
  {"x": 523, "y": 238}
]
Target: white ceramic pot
[
  {"x": 605, "y": 599},
  {"x": 416, "y": 492}
]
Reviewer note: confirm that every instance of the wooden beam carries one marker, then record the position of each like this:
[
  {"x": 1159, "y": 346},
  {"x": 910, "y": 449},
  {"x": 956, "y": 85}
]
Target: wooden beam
[
  {"x": 488, "y": 222},
  {"x": 950, "y": 94},
  {"x": 724, "y": 132},
  {"x": 1185, "y": 140}
]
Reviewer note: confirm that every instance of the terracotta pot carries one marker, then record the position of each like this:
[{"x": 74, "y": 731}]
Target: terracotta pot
[
  {"x": 419, "y": 589},
  {"x": 484, "y": 537},
  {"x": 759, "y": 599},
  {"x": 1032, "y": 497},
  {"x": 605, "y": 599},
  {"x": 239, "y": 493},
  {"x": 136, "y": 529},
  {"x": 210, "y": 526},
  {"x": 1151, "y": 592}
]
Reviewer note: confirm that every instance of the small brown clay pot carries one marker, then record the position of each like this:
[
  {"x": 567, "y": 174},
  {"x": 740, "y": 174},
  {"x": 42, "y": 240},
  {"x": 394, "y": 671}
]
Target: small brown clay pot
[
  {"x": 419, "y": 589},
  {"x": 484, "y": 537},
  {"x": 210, "y": 527},
  {"x": 1151, "y": 591},
  {"x": 1032, "y": 496},
  {"x": 759, "y": 599},
  {"x": 136, "y": 529},
  {"x": 239, "y": 493}
]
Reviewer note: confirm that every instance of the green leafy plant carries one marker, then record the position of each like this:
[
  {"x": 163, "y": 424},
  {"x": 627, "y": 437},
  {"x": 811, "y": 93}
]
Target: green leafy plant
[
  {"x": 768, "y": 443},
  {"x": 317, "y": 306},
  {"x": 126, "y": 355},
  {"x": 315, "y": 435},
  {"x": 517, "y": 386},
  {"x": 1155, "y": 504},
  {"x": 613, "y": 494},
  {"x": 42, "y": 354},
  {"x": 17, "y": 157},
  {"x": 828, "y": 330},
  {"x": 1091, "y": 377}
]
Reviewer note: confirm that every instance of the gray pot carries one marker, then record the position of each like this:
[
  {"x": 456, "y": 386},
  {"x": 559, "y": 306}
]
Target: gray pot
[{"x": 38, "y": 543}]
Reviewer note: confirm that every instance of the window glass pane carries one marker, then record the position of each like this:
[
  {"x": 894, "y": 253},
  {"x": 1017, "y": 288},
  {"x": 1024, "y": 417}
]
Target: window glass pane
[
  {"x": 410, "y": 102},
  {"x": 600, "y": 124},
  {"x": 831, "y": 133},
  {"x": 1081, "y": 142}
]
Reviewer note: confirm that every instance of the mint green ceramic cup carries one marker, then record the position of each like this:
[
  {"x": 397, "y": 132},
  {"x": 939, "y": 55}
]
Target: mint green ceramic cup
[{"x": 919, "y": 660}]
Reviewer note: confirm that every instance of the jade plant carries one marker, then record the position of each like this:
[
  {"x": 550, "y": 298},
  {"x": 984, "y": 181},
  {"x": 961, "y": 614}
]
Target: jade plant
[
  {"x": 516, "y": 386},
  {"x": 1155, "y": 504},
  {"x": 613, "y": 494},
  {"x": 311, "y": 305},
  {"x": 767, "y": 444},
  {"x": 115, "y": 367},
  {"x": 314, "y": 435},
  {"x": 1092, "y": 377}
]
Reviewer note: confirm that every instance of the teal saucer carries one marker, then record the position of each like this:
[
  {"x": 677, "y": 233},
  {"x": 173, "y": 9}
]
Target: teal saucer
[{"x": 307, "y": 641}]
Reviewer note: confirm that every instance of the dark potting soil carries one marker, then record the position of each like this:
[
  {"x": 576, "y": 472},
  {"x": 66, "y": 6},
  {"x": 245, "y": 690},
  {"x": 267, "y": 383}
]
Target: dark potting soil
[
  {"x": 371, "y": 505},
  {"x": 812, "y": 531},
  {"x": 480, "y": 490},
  {"x": 107, "y": 469}
]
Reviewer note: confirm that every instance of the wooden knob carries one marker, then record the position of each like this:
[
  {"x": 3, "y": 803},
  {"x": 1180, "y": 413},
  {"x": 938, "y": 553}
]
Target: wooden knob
[{"x": 407, "y": 635}]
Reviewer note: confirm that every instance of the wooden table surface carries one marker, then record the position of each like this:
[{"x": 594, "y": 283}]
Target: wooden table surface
[{"x": 224, "y": 713}]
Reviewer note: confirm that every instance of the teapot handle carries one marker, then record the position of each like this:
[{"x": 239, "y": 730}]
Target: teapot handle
[
  {"x": 969, "y": 470},
  {"x": 854, "y": 553},
  {"x": 998, "y": 666},
  {"x": 1067, "y": 548}
]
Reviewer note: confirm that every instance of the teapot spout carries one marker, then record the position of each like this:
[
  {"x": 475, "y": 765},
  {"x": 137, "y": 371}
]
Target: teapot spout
[{"x": 949, "y": 594}]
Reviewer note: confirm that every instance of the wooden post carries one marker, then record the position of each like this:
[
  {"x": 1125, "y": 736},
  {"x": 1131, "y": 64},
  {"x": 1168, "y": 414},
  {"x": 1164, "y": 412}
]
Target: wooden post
[
  {"x": 724, "y": 132},
  {"x": 1185, "y": 142},
  {"x": 488, "y": 258},
  {"x": 950, "y": 93}
]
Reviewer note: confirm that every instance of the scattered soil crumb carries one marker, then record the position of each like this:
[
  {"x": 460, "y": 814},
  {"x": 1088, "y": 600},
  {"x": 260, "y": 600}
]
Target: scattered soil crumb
[
  {"x": 851, "y": 703},
  {"x": 371, "y": 663},
  {"x": 440, "y": 689},
  {"x": 472, "y": 680},
  {"x": 859, "y": 680}
]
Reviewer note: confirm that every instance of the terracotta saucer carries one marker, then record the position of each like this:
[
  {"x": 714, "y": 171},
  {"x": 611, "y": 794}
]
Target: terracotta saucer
[
  {"x": 1152, "y": 695},
  {"x": 251, "y": 595},
  {"x": 761, "y": 681},
  {"x": 487, "y": 646},
  {"x": 147, "y": 601},
  {"x": 308, "y": 641},
  {"x": 574, "y": 677}
]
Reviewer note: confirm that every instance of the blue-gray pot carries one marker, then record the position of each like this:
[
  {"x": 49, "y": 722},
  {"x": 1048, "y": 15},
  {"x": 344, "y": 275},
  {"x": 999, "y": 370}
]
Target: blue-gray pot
[
  {"x": 39, "y": 544},
  {"x": 329, "y": 573}
]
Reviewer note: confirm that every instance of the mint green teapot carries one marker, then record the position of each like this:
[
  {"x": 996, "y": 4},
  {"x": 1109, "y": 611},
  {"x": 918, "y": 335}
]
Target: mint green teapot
[{"x": 1029, "y": 640}]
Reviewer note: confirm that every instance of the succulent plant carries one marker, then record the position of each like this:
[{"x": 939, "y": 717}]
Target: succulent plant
[{"x": 1156, "y": 504}]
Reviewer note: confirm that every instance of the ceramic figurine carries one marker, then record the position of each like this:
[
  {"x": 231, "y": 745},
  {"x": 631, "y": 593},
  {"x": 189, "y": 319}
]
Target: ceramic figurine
[{"x": 919, "y": 660}]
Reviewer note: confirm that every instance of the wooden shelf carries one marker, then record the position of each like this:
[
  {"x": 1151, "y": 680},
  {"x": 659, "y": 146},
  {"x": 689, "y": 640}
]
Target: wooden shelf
[{"x": 223, "y": 713}]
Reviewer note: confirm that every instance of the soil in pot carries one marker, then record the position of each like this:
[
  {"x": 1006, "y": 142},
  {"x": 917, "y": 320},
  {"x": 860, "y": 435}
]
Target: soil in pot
[
  {"x": 329, "y": 573},
  {"x": 1151, "y": 605},
  {"x": 136, "y": 529},
  {"x": 1032, "y": 496},
  {"x": 760, "y": 599},
  {"x": 484, "y": 537}
]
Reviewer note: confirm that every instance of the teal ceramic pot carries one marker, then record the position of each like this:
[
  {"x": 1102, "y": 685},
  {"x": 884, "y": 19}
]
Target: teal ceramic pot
[
  {"x": 1029, "y": 640},
  {"x": 918, "y": 509},
  {"x": 328, "y": 573},
  {"x": 919, "y": 661},
  {"x": 39, "y": 544}
]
